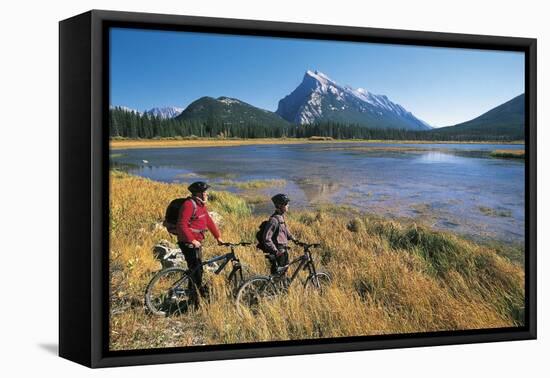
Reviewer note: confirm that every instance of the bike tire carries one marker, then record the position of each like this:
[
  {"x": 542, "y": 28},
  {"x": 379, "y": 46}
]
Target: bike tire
[
  {"x": 252, "y": 292},
  {"x": 158, "y": 298},
  {"x": 235, "y": 281},
  {"x": 319, "y": 281}
]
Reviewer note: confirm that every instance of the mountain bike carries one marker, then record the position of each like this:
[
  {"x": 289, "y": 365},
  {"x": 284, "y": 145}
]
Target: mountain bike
[
  {"x": 169, "y": 291},
  {"x": 262, "y": 288}
]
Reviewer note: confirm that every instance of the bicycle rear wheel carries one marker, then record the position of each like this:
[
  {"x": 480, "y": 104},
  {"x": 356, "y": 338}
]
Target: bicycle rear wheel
[
  {"x": 168, "y": 292},
  {"x": 253, "y": 292}
]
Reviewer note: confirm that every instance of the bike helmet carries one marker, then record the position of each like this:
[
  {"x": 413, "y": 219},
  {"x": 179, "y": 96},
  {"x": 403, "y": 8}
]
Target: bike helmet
[
  {"x": 198, "y": 187},
  {"x": 280, "y": 199}
]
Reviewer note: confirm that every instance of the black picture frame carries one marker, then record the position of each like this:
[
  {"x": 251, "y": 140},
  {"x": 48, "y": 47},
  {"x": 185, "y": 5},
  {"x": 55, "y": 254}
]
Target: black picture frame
[{"x": 84, "y": 190}]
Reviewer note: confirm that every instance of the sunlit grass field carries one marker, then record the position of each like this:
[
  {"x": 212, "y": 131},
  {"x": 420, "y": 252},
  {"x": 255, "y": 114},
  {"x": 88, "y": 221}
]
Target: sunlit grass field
[{"x": 387, "y": 277}]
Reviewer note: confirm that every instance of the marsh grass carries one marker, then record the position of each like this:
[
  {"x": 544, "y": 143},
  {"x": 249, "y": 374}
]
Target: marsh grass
[
  {"x": 508, "y": 154},
  {"x": 489, "y": 211},
  {"x": 388, "y": 277},
  {"x": 254, "y": 184}
]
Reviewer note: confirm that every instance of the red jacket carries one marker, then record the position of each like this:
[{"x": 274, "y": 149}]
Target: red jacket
[{"x": 193, "y": 229}]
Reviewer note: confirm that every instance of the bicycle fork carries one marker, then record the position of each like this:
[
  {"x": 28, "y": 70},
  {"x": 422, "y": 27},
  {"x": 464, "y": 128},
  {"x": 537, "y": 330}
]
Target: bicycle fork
[{"x": 312, "y": 270}]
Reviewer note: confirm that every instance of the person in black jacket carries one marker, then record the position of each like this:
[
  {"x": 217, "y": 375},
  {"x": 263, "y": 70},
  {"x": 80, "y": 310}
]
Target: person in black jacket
[{"x": 276, "y": 234}]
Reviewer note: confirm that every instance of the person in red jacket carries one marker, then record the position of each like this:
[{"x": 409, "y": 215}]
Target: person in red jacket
[{"x": 193, "y": 222}]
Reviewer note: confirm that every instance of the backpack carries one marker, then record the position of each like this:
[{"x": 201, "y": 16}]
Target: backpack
[
  {"x": 173, "y": 212},
  {"x": 259, "y": 235}
]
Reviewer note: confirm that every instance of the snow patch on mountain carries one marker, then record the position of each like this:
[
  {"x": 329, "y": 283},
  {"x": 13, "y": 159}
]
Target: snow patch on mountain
[
  {"x": 166, "y": 112},
  {"x": 228, "y": 101},
  {"x": 124, "y": 109}
]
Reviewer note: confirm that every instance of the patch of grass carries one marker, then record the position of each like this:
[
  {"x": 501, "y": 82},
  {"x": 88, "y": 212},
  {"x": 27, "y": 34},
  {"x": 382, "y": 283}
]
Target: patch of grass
[
  {"x": 508, "y": 154},
  {"x": 228, "y": 203},
  {"x": 207, "y": 174},
  {"x": 216, "y": 175},
  {"x": 422, "y": 208},
  {"x": 356, "y": 225},
  {"x": 495, "y": 212},
  {"x": 254, "y": 184},
  {"x": 320, "y": 138},
  {"x": 254, "y": 199},
  {"x": 513, "y": 252}
]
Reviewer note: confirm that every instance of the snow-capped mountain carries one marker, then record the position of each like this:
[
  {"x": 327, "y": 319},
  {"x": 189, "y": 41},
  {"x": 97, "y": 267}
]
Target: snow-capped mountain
[
  {"x": 125, "y": 109},
  {"x": 320, "y": 99},
  {"x": 164, "y": 112}
]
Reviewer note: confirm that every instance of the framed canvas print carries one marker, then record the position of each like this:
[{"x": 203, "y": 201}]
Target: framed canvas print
[{"x": 235, "y": 188}]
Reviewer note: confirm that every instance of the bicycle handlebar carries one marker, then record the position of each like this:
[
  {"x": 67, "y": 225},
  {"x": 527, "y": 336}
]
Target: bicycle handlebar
[
  {"x": 242, "y": 243},
  {"x": 307, "y": 245}
]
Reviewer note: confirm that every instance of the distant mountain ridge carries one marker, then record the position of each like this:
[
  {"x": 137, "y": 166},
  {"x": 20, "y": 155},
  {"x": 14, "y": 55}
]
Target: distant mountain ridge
[
  {"x": 503, "y": 121},
  {"x": 166, "y": 112},
  {"x": 320, "y": 99},
  {"x": 329, "y": 108},
  {"x": 229, "y": 111},
  {"x": 125, "y": 109}
]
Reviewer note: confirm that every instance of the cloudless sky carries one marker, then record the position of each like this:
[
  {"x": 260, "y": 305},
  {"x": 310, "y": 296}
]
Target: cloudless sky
[{"x": 442, "y": 86}]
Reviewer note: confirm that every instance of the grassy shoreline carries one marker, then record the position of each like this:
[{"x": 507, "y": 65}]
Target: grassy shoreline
[
  {"x": 121, "y": 144},
  {"x": 388, "y": 277},
  {"x": 508, "y": 154}
]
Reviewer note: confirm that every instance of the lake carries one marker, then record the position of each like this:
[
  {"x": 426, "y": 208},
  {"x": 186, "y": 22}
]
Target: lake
[{"x": 453, "y": 187}]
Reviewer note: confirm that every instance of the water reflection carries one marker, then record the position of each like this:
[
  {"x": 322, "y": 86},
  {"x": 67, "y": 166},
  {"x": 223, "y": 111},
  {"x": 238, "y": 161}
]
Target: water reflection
[
  {"x": 317, "y": 191},
  {"x": 438, "y": 157},
  {"x": 453, "y": 187}
]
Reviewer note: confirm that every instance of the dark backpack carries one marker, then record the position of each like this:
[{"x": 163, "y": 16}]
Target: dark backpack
[
  {"x": 173, "y": 212},
  {"x": 259, "y": 235}
]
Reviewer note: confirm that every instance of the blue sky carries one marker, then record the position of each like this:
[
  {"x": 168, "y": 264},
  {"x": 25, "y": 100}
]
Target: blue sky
[{"x": 441, "y": 86}]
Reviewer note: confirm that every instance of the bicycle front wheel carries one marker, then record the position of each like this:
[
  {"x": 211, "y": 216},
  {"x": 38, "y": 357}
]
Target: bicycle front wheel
[
  {"x": 168, "y": 292},
  {"x": 236, "y": 278},
  {"x": 319, "y": 281},
  {"x": 253, "y": 293}
]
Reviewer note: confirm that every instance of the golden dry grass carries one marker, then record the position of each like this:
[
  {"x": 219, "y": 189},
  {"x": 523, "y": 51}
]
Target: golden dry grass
[
  {"x": 217, "y": 142},
  {"x": 387, "y": 277}
]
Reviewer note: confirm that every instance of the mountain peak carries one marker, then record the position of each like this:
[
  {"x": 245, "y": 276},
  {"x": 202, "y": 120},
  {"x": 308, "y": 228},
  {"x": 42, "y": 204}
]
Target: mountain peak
[
  {"x": 320, "y": 77},
  {"x": 228, "y": 100},
  {"x": 320, "y": 99},
  {"x": 229, "y": 111}
]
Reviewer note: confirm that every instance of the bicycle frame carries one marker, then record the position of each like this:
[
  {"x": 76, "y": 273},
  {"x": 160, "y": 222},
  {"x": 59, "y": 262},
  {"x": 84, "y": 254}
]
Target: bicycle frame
[
  {"x": 305, "y": 262},
  {"x": 226, "y": 259}
]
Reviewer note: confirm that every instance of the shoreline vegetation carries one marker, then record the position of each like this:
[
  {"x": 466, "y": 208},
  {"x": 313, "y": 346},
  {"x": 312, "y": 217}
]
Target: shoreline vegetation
[
  {"x": 508, "y": 154},
  {"x": 123, "y": 143},
  {"x": 389, "y": 277}
]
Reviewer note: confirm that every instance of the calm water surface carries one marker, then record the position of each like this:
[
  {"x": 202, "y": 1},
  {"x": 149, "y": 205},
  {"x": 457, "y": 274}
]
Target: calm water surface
[{"x": 455, "y": 187}]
